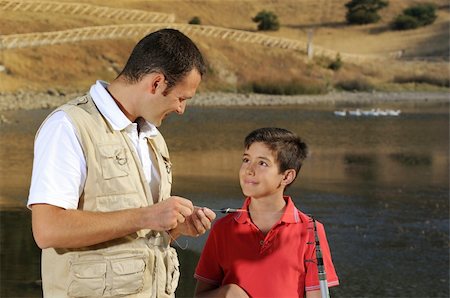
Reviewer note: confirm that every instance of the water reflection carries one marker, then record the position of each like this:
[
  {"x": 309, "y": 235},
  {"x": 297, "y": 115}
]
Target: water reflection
[
  {"x": 19, "y": 256},
  {"x": 379, "y": 185}
]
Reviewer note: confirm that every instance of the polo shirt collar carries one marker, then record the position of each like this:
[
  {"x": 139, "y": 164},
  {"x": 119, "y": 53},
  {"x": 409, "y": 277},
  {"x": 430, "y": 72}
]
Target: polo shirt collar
[
  {"x": 290, "y": 215},
  {"x": 112, "y": 113}
]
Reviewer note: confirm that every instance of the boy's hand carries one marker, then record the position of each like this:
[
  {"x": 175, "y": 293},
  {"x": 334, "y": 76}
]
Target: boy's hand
[{"x": 204, "y": 289}]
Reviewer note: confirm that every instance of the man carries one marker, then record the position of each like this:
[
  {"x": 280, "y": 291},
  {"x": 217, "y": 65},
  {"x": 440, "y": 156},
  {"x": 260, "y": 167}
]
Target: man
[{"x": 102, "y": 211}]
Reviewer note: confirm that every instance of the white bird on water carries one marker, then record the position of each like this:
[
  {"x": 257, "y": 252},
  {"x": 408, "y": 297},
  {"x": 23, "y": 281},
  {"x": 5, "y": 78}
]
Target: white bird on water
[
  {"x": 340, "y": 113},
  {"x": 356, "y": 112},
  {"x": 393, "y": 112},
  {"x": 371, "y": 112}
]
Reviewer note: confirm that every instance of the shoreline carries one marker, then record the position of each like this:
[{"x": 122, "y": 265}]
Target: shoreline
[{"x": 53, "y": 99}]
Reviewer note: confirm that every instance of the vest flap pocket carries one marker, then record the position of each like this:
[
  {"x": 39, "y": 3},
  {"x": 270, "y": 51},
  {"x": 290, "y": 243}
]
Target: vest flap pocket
[
  {"x": 89, "y": 270},
  {"x": 114, "y": 160},
  {"x": 110, "y": 273},
  {"x": 88, "y": 279},
  {"x": 127, "y": 275},
  {"x": 130, "y": 266}
]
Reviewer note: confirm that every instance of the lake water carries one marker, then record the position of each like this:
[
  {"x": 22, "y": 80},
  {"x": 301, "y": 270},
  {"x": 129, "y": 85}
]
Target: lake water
[{"x": 380, "y": 185}]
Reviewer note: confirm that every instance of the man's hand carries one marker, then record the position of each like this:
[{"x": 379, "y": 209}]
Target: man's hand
[
  {"x": 196, "y": 224},
  {"x": 168, "y": 214}
]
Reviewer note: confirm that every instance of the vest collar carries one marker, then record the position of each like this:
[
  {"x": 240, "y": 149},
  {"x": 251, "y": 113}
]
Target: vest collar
[{"x": 112, "y": 113}]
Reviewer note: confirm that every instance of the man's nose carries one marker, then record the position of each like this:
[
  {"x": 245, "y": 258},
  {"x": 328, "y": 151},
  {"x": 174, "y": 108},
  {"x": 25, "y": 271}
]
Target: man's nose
[{"x": 181, "y": 108}]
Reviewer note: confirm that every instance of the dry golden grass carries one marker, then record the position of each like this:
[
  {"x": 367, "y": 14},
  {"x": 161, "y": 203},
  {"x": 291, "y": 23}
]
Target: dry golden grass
[{"x": 236, "y": 66}]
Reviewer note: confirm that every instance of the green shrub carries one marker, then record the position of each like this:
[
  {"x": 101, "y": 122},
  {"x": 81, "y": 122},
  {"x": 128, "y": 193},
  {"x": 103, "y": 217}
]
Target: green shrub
[
  {"x": 424, "y": 13},
  {"x": 364, "y": 11},
  {"x": 354, "y": 85},
  {"x": 267, "y": 20},
  {"x": 336, "y": 64},
  {"x": 415, "y": 16},
  {"x": 362, "y": 17},
  {"x": 404, "y": 22},
  {"x": 195, "y": 21},
  {"x": 423, "y": 79}
]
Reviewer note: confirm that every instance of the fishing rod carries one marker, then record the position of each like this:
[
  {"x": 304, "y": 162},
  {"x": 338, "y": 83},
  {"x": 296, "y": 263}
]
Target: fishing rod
[
  {"x": 235, "y": 210},
  {"x": 228, "y": 210},
  {"x": 320, "y": 265}
]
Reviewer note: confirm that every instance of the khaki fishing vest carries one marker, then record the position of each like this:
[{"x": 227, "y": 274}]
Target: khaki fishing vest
[{"x": 138, "y": 265}]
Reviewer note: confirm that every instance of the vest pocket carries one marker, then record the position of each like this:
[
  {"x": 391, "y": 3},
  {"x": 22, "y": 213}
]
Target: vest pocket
[
  {"x": 109, "y": 274},
  {"x": 114, "y": 160},
  {"x": 128, "y": 276},
  {"x": 173, "y": 271},
  {"x": 88, "y": 279}
]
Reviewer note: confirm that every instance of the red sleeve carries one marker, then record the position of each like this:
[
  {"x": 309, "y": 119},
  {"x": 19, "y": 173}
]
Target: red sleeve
[
  {"x": 208, "y": 268},
  {"x": 312, "y": 274}
]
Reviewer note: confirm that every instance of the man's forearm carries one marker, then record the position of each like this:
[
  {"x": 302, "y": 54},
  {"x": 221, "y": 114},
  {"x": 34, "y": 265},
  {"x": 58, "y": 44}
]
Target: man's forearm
[{"x": 60, "y": 228}]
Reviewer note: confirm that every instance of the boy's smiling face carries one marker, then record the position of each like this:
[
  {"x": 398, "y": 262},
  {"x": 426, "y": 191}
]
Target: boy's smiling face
[{"x": 259, "y": 174}]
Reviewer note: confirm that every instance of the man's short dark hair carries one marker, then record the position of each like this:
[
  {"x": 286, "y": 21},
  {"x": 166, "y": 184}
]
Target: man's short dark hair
[
  {"x": 167, "y": 51},
  {"x": 290, "y": 150}
]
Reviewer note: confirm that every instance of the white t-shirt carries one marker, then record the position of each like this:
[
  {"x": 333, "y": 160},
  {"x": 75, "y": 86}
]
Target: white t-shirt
[{"x": 59, "y": 166}]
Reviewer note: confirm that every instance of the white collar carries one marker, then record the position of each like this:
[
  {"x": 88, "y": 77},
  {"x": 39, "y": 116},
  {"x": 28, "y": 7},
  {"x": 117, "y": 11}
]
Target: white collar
[{"x": 116, "y": 118}]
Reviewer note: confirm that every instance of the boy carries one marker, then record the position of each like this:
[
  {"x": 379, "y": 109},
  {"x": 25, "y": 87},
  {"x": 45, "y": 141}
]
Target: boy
[{"x": 267, "y": 248}]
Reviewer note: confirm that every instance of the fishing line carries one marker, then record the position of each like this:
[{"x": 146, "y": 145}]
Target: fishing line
[{"x": 178, "y": 243}]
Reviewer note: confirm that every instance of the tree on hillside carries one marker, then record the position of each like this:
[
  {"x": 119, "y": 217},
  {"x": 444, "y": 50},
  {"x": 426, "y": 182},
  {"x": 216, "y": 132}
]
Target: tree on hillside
[
  {"x": 195, "y": 21},
  {"x": 267, "y": 21},
  {"x": 364, "y": 11},
  {"x": 415, "y": 16}
]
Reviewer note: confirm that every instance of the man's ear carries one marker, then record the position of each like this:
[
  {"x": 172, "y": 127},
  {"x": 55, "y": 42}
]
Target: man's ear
[
  {"x": 157, "y": 83},
  {"x": 289, "y": 176}
]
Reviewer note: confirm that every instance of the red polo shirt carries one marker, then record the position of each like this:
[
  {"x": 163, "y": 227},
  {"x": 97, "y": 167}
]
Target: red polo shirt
[{"x": 276, "y": 265}]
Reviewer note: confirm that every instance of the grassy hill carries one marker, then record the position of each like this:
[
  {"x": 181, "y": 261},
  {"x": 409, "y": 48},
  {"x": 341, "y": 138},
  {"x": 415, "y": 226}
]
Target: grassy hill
[{"x": 238, "y": 66}]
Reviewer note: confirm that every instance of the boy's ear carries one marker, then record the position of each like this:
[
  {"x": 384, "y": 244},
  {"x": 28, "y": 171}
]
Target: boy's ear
[{"x": 289, "y": 176}]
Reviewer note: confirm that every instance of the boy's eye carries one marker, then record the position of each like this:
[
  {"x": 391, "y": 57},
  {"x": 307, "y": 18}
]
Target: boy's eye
[
  {"x": 245, "y": 160},
  {"x": 263, "y": 163}
]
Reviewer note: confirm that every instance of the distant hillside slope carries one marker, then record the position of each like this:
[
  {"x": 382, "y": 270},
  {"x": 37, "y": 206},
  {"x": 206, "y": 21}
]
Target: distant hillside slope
[
  {"x": 237, "y": 66},
  {"x": 327, "y": 17}
]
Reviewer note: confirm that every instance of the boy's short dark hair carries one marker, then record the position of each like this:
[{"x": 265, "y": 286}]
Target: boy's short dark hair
[
  {"x": 167, "y": 51},
  {"x": 290, "y": 150}
]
